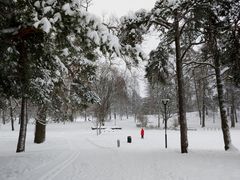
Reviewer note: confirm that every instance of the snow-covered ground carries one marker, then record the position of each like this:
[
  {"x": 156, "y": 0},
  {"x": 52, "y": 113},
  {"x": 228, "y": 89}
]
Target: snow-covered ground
[{"x": 73, "y": 151}]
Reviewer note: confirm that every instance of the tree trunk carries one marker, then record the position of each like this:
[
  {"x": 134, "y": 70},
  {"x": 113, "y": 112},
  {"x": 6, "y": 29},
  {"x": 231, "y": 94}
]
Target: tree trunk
[
  {"x": 228, "y": 111},
  {"x": 232, "y": 107},
  {"x": 26, "y": 110},
  {"x": 110, "y": 115},
  {"x": 115, "y": 117},
  {"x": 232, "y": 117},
  {"x": 236, "y": 115},
  {"x": 214, "y": 109},
  {"x": 24, "y": 78},
  {"x": 203, "y": 113},
  {"x": 11, "y": 114},
  {"x": 159, "y": 115},
  {"x": 23, "y": 127},
  {"x": 40, "y": 128},
  {"x": 85, "y": 115},
  {"x": 3, "y": 117},
  {"x": 197, "y": 97},
  {"x": 206, "y": 110},
  {"x": 203, "y": 104},
  {"x": 158, "y": 106},
  {"x": 224, "y": 121},
  {"x": 181, "y": 92},
  {"x": 213, "y": 47},
  {"x": 19, "y": 119}
]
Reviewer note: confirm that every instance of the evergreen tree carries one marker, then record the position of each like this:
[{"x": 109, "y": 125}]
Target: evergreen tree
[{"x": 24, "y": 61}]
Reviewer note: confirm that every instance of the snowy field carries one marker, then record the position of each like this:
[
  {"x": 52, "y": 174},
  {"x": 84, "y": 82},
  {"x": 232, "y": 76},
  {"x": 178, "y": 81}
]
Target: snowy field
[{"x": 73, "y": 151}]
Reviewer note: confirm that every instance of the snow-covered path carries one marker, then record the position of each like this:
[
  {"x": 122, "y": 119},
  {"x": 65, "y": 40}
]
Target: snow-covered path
[{"x": 74, "y": 152}]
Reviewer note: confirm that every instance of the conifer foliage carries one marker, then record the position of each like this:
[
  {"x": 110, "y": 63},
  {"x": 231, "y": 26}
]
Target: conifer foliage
[{"x": 48, "y": 49}]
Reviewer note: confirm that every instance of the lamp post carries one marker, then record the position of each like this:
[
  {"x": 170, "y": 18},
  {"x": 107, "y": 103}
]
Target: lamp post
[{"x": 165, "y": 101}]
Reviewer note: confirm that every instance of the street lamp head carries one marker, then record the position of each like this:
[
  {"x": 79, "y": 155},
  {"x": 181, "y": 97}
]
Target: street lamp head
[{"x": 165, "y": 101}]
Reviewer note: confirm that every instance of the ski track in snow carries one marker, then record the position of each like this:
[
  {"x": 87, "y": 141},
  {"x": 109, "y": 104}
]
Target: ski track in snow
[
  {"x": 49, "y": 170},
  {"x": 54, "y": 168},
  {"x": 60, "y": 167}
]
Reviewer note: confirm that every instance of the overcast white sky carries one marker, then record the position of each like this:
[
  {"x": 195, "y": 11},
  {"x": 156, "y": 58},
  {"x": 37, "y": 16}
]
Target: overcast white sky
[{"x": 119, "y": 7}]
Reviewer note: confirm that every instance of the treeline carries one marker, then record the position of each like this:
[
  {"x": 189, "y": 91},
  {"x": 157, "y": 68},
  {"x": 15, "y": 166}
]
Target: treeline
[{"x": 50, "y": 53}]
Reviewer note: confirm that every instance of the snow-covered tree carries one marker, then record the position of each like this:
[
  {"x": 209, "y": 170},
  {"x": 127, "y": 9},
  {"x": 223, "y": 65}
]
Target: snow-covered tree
[
  {"x": 26, "y": 64},
  {"x": 48, "y": 49}
]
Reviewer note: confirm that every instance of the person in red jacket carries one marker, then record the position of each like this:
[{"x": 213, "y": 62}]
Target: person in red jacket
[{"x": 142, "y": 133}]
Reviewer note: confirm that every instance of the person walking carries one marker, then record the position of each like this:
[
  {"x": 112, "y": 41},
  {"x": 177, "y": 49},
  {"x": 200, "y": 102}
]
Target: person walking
[{"x": 142, "y": 133}]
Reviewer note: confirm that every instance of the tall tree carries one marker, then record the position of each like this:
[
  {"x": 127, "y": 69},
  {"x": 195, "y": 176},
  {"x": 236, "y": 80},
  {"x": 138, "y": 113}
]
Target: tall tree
[
  {"x": 20, "y": 42},
  {"x": 216, "y": 19},
  {"x": 214, "y": 26},
  {"x": 176, "y": 24}
]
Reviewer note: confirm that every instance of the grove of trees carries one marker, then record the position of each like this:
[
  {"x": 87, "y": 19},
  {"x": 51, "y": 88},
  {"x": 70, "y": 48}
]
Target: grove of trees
[{"x": 57, "y": 59}]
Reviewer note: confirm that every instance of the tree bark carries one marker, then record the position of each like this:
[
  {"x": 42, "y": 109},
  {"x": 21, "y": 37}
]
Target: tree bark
[
  {"x": 26, "y": 110},
  {"x": 203, "y": 113},
  {"x": 40, "y": 128},
  {"x": 213, "y": 47},
  {"x": 23, "y": 128},
  {"x": 228, "y": 111},
  {"x": 11, "y": 114},
  {"x": 203, "y": 104},
  {"x": 24, "y": 78},
  {"x": 181, "y": 92},
  {"x": 236, "y": 115},
  {"x": 224, "y": 121},
  {"x": 115, "y": 117},
  {"x": 19, "y": 119},
  {"x": 214, "y": 109},
  {"x": 197, "y": 97},
  {"x": 85, "y": 115},
  {"x": 232, "y": 117},
  {"x": 3, "y": 117},
  {"x": 110, "y": 115},
  {"x": 233, "y": 121},
  {"x": 159, "y": 115}
]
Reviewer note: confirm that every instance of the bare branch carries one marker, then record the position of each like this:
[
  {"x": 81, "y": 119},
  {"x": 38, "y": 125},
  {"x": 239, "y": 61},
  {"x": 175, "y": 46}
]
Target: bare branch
[
  {"x": 205, "y": 77},
  {"x": 199, "y": 63},
  {"x": 183, "y": 26},
  {"x": 111, "y": 27},
  {"x": 162, "y": 22},
  {"x": 189, "y": 46},
  {"x": 87, "y": 4}
]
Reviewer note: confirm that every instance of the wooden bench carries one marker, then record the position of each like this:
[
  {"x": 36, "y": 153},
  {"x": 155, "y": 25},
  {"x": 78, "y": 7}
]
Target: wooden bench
[{"x": 113, "y": 128}]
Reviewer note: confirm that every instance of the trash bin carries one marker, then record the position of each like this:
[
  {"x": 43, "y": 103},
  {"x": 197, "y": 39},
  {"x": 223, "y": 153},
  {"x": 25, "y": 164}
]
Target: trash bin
[
  {"x": 129, "y": 139},
  {"x": 118, "y": 143}
]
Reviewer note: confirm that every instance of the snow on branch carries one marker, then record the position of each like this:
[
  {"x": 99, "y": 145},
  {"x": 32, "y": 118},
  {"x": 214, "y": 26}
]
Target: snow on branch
[{"x": 44, "y": 24}]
